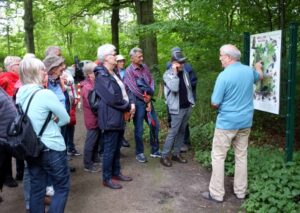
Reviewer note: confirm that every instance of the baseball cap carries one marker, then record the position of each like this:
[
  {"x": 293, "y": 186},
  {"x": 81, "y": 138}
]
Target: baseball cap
[{"x": 178, "y": 56}]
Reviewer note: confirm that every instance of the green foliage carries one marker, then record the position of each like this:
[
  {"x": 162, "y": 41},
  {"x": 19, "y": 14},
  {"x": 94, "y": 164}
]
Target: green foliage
[
  {"x": 202, "y": 136},
  {"x": 273, "y": 186}
]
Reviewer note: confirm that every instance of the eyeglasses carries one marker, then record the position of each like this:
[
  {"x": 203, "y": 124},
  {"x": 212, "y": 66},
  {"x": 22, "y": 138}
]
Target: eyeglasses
[
  {"x": 221, "y": 55},
  {"x": 113, "y": 54}
]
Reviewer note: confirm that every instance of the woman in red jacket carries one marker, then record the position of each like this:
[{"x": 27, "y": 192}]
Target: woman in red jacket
[{"x": 92, "y": 141}]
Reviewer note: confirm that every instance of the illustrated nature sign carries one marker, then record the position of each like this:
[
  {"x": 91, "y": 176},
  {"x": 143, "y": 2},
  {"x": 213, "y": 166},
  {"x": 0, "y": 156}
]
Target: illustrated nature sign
[{"x": 266, "y": 47}]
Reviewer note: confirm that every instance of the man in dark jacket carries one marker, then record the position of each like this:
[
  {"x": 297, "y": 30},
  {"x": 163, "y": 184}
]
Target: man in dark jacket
[{"x": 7, "y": 114}]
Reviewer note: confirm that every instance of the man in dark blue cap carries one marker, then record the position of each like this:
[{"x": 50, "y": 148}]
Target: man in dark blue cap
[
  {"x": 193, "y": 79},
  {"x": 179, "y": 99}
]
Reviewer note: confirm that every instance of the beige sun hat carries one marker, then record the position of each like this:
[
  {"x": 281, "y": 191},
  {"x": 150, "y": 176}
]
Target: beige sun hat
[
  {"x": 52, "y": 61},
  {"x": 120, "y": 58}
]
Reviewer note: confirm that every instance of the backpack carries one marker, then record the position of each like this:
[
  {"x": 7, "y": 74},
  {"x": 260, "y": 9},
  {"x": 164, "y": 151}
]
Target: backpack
[
  {"x": 22, "y": 141},
  {"x": 93, "y": 100}
]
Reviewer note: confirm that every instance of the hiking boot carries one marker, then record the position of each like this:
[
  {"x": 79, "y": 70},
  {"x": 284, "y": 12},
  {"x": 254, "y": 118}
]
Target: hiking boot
[
  {"x": 178, "y": 158},
  {"x": 165, "y": 161},
  {"x": 156, "y": 154},
  {"x": 141, "y": 158}
]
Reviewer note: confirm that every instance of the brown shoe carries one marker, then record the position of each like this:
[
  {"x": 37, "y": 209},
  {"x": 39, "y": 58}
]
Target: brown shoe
[
  {"x": 47, "y": 200},
  {"x": 165, "y": 161},
  {"x": 179, "y": 159}
]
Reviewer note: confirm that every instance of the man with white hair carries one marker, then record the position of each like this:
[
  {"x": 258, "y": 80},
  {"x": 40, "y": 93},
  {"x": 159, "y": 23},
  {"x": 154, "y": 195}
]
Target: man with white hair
[{"x": 233, "y": 98}]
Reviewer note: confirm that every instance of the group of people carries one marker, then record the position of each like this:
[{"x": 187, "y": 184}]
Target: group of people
[{"x": 123, "y": 95}]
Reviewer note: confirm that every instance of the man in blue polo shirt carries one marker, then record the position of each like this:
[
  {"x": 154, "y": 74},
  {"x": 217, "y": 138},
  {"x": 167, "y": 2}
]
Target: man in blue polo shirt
[{"x": 233, "y": 97}]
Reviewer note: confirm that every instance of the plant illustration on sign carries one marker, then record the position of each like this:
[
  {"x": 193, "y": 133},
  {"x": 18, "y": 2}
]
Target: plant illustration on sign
[{"x": 265, "y": 50}]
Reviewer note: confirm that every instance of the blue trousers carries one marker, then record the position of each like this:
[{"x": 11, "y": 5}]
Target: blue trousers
[
  {"x": 54, "y": 164},
  {"x": 112, "y": 140},
  {"x": 138, "y": 120}
]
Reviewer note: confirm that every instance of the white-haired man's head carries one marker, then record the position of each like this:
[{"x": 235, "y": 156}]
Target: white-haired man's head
[
  {"x": 229, "y": 54},
  {"x": 136, "y": 56},
  {"x": 104, "y": 51}
]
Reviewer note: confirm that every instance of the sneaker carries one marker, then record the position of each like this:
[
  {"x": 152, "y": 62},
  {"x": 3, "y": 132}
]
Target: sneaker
[
  {"x": 156, "y": 154},
  {"x": 50, "y": 191},
  {"x": 141, "y": 158},
  {"x": 93, "y": 169},
  {"x": 73, "y": 152}
]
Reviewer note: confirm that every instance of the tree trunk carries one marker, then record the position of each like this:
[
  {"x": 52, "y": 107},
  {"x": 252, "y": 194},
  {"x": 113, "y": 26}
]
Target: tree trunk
[
  {"x": 8, "y": 39},
  {"x": 28, "y": 26},
  {"x": 115, "y": 23},
  {"x": 147, "y": 41}
]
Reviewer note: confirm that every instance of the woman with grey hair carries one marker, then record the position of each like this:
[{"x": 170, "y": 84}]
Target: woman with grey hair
[
  {"x": 92, "y": 141},
  {"x": 114, "y": 102},
  {"x": 53, "y": 159}
]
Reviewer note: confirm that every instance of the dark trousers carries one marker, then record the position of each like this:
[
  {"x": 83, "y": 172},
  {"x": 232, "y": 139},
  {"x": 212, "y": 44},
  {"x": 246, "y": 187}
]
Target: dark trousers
[
  {"x": 91, "y": 147},
  {"x": 112, "y": 141},
  {"x": 69, "y": 137}
]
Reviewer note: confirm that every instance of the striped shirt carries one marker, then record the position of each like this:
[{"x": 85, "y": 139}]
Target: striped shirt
[{"x": 133, "y": 72}]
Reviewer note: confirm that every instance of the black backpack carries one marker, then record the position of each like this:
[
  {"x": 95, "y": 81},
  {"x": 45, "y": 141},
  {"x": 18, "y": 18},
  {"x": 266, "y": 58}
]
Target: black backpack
[
  {"x": 22, "y": 141},
  {"x": 93, "y": 99}
]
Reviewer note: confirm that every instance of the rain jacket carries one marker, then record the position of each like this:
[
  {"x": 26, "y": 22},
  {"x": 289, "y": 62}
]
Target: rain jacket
[{"x": 43, "y": 102}]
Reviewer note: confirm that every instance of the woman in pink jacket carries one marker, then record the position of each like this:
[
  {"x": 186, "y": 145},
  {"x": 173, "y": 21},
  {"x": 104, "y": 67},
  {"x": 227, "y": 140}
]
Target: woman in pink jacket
[{"x": 93, "y": 135}]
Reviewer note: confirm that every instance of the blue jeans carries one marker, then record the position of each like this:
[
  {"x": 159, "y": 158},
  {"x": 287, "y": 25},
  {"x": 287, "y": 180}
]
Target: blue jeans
[
  {"x": 112, "y": 140},
  {"x": 54, "y": 164},
  {"x": 138, "y": 120}
]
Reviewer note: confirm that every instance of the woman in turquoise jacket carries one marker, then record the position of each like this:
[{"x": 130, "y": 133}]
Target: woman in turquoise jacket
[{"x": 53, "y": 159}]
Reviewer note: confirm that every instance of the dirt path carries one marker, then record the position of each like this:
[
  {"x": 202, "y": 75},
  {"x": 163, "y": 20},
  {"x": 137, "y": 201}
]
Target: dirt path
[{"x": 154, "y": 188}]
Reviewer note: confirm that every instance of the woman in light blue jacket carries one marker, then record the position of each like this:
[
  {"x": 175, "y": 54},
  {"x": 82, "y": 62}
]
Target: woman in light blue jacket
[{"x": 53, "y": 159}]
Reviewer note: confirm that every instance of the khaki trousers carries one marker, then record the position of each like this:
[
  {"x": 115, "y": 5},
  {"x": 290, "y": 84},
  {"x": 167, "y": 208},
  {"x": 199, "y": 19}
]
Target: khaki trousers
[{"x": 221, "y": 144}]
